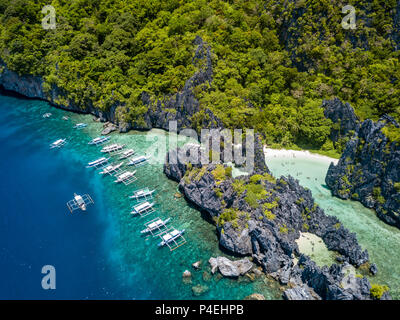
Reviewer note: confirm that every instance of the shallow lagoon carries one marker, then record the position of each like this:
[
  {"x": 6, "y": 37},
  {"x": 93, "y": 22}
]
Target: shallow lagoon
[{"x": 381, "y": 240}]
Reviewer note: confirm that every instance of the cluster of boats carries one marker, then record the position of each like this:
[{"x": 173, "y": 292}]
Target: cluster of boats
[{"x": 171, "y": 237}]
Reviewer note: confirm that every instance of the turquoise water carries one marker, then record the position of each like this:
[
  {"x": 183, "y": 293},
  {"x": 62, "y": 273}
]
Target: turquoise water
[
  {"x": 381, "y": 240},
  {"x": 99, "y": 254}
]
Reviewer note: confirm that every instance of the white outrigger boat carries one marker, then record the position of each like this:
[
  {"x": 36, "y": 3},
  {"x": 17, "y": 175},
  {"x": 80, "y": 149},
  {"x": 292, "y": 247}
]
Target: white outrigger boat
[
  {"x": 58, "y": 143},
  {"x": 142, "y": 193},
  {"x": 111, "y": 169},
  {"x": 65, "y": 118},
  {"x": 99, "y": 140},
  {"x": 98, "y": 162},
  {"x": 126, "y": 154},
  {"x": 80, "y": 125},
  {"x": 155, "y": 226},
  {"x": 112, "y": 148},
  {"x": 126, "y": 177},
  {"x": 79, "y": 202},
  {"x": 138, "y": 161},
  {"x": 173, "y": 238},
  {"x": 143, "y": 209},
  {"x": 47, "y": 115}
]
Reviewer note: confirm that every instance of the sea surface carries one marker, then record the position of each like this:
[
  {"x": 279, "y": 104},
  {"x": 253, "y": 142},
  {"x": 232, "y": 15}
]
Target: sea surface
[{"x": 100, "y": 254}]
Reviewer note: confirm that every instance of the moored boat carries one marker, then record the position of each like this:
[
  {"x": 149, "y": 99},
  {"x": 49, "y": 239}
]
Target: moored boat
[
  {"x": 47, "y": 115},
  {"x": 111, "y": 169},
  {"x": 170, "y": 236},
  {"x": 99, "y": 140},
  {"x": 58, "y": 143},
  {"x": 112, "y": 148},
  {"x": 125, "y": 176},
  {"x": 80, "y": 125},
  {"x": 155, "y": 225},
  {"x": 143, "y": 208},
  {"x": 142, "y": 193},
  {"x": 97, "y": 162},
  {"x": 138, "y": 160},
  {"x": 126, "y": 154}
]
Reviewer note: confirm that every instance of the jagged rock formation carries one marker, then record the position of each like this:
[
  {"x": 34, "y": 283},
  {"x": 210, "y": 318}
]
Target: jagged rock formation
[
  {"x": 345, "y": 121},
  {"x": 180, "y": 107},
  {"x": 369, "y": 170},
  {"x": 261, "y": 216}
]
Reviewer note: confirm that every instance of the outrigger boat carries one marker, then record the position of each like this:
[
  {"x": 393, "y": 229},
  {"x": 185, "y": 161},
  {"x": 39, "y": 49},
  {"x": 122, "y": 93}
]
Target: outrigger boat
[
  {"x": 65, "y": 118},
  {"x": 126, "y": 154},
  {"x": 155, "y": 225},
  {"x": 111, "y": 169},
  {"x": 171, "y": 238},
  {"x": 98, "y": 162},
  {"x": 58, "y": 143},
  {"x": 142, "y": 193},
  {"x": 137, "y": 161},
  {"x": 79, "y": 202},
  {"x": 113, "y": 147},
  {"x": 47, "y": 115},
  {"x": 80, "y": 125},
  {"x": 143, "y": 209},
  {"x": 125, "y": 176},
  {"x": 99, "y": 140}
]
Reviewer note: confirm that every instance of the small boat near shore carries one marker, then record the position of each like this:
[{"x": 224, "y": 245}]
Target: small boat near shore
[
  {"x": 126, "y": 177},
  {"x": 173, "y": 239},
  {"x": 155, "y": 225},
  {"x": 65, "y": 118},
  {"x": 126, "y": 154},
  {"x": 111, "y": 169},
  {"x": 112, "y": 148},
  {"x": 80, "y": 125},
  {"x": 143, "y": 209},
  {"x": 138, "y": 161},
  {"x": 99, "y": 140},
  {"x": 142, "y": 193},
  {"x": 47, "y": 115},
  {"x": 98, "y": 162},
  {"x": 58, "y": 143}
]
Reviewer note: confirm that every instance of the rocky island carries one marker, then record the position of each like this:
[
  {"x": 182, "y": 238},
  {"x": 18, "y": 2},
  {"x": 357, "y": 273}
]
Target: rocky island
[
  {"x": 260, "y": 216},
  {"x": 369, "y": 169}
]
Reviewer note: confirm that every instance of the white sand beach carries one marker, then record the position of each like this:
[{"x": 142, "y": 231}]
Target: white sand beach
[{"x": 291, "y": 154}]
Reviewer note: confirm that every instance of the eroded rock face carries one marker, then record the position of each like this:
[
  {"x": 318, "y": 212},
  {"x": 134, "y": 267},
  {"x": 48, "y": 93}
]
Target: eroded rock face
[
  {"x": 343, "y": 117},
  {"x": 302, "y": 292},
  {"x": 262, "y": 216},
  {"x": 369, "y": 171}
]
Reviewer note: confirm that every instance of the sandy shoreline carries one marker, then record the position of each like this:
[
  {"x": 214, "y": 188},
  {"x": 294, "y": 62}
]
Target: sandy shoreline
[{"x": 290, "y": 154}]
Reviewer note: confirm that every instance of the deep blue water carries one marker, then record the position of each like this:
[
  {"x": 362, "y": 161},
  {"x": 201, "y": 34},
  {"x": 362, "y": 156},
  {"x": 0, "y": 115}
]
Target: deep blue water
[{"x": 36, "y": 229}]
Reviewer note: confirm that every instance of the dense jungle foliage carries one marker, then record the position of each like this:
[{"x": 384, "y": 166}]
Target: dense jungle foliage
[{"x": 273, "y": 61}]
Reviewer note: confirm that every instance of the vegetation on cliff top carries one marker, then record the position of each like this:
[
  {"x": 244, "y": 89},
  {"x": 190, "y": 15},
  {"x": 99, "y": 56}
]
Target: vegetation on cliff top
[{"x": 273, "y": 62}]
